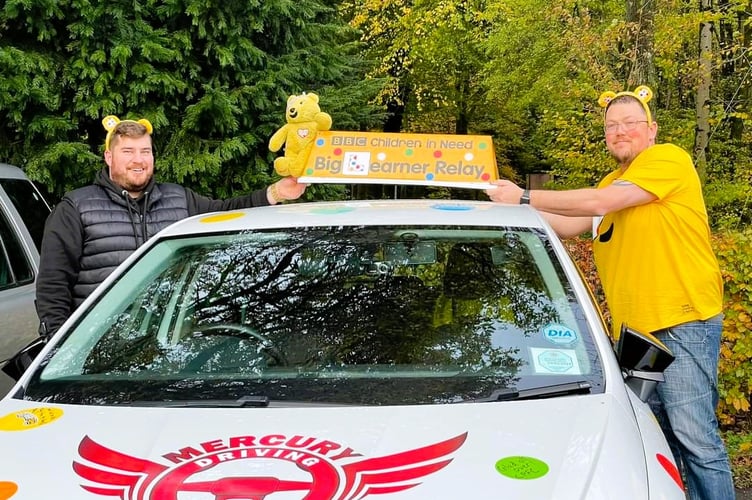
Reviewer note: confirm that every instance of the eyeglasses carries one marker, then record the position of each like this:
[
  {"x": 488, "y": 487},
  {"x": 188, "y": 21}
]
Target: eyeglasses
[{"x": 612, "y": 127}]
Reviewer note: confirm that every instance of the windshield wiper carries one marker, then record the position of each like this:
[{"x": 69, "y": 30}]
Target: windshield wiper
[
  {"x": 244, "y": 402},
  {"x": 546, "y": 391}
]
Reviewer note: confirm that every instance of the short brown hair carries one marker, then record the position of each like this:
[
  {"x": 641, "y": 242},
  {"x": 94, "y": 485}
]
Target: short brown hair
[{"x": 127, "y": 128}]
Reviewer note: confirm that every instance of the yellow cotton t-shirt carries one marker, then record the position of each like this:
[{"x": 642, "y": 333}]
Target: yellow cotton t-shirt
[{"x": 655, "y": 261}]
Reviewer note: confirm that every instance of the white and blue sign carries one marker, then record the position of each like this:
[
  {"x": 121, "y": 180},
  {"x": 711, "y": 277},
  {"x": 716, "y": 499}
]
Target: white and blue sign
[
  {"x": 559, "y": 334},
  {"x": 561, "y": 361}
]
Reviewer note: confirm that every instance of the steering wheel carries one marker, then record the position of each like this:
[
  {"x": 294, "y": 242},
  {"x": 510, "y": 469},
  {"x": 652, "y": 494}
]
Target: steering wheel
[{"x": 237, "y": 331}]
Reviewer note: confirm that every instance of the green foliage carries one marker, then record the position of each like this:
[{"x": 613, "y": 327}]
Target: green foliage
[
  {"x": 212, "y": 77},
  {"x": 729, "y": 204},
  {"x": 734, "y": 252},
  {"x": 735, "y": 371},
  {"x": 432, "y": 54},
  {"x": 739, "y": 445}
]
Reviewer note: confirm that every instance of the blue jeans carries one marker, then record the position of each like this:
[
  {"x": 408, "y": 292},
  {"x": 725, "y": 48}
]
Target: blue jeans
[{"x": 685, "y": 407}]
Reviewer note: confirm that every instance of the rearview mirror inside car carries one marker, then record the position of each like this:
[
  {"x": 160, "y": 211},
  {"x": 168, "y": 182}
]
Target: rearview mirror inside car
[{"x": 404, "y": 253}]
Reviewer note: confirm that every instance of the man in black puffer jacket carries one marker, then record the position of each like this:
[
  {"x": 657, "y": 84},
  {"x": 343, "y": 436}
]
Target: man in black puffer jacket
[{"x": 95, "y": 228}]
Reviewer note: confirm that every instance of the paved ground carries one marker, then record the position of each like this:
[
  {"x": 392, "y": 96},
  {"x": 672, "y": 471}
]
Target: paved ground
[
  {"x": 745, "y": 494},
  {"x": 5, "y": 384}
]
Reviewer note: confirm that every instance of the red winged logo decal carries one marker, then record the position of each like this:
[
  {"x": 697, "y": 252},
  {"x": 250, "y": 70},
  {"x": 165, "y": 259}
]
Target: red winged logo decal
[
  {"x": 118, "y": 474},
  {"x": 397, "y": 472},
  {"x": 115, "y": 474}
]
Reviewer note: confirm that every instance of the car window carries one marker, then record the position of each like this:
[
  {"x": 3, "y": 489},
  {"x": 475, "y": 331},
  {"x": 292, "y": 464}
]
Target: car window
[
  {"x": 29, "y": 204},
  {"x": 346, "y": 315},
  {"x": 15, "y": 268}
]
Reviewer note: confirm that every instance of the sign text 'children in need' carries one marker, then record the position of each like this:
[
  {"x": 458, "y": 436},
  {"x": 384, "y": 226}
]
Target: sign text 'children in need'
[{"x": 407, "y": 157}]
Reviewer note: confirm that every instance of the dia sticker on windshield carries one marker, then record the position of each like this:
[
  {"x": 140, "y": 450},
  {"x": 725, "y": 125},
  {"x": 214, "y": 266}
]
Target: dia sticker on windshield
[{"x": 559, "y": 334}]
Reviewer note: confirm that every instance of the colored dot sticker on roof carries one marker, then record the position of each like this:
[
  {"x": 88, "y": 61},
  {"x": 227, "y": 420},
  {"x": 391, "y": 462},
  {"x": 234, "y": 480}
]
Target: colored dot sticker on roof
[
  {"x": 453, "y": 208},
  {"x": 7, "y": 489},
  {"x": 30, "y": 418},
  {"x": 332, "y": 210},
  {"x": 521, "y": 467},
  {"x": 222, "y": 217}
]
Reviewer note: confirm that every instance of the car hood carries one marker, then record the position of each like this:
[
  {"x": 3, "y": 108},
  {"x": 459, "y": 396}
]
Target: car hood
[{"x": 564, "y": 448}]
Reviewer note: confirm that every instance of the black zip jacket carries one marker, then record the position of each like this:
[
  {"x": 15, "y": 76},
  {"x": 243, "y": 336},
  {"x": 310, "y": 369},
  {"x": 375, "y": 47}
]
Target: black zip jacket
[{"x": 95, "y": 228}]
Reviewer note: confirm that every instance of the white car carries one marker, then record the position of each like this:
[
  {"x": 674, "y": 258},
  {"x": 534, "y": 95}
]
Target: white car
[{"x": 396, "y": 349}]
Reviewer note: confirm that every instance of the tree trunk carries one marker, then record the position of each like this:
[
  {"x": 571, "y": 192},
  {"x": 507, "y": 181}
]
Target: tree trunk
[
  {"x": 640, "y": 16},
  {"x": 702, "y": 104}
]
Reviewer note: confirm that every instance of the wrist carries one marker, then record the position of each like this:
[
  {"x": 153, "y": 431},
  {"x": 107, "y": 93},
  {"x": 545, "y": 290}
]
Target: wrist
[
  {"x": 272, "y": 194},
  {"x": 525, "y": 198}
]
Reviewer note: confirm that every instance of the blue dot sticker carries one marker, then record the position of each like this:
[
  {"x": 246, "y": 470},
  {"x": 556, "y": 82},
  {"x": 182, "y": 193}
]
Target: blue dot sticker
[{"x": 454, "y": 208}]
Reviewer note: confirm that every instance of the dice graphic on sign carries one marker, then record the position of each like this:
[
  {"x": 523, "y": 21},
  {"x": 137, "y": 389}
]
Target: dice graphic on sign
[{"x": 356, "y": 163}]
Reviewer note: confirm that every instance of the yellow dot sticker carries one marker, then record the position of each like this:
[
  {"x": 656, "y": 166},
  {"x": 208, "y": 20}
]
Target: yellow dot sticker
[
  {"x": 222, "y": 217},
  {"x": 521, "y": 467},
  {"x": 22, "y": 420},
  {"x": 7, "y": 489}
]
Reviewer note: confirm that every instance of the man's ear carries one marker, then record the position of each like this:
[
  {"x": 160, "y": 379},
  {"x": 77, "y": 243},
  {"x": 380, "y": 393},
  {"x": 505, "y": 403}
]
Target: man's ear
[{"x": 108, "y": 157}]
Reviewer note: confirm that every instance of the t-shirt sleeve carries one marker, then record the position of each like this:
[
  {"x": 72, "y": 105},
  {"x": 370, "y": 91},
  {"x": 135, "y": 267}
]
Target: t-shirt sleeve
[{"x": 661, "y": 170}]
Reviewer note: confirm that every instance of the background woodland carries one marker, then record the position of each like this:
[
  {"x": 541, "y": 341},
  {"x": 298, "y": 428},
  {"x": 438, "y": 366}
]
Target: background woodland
[{"x": 213, "y": 77}]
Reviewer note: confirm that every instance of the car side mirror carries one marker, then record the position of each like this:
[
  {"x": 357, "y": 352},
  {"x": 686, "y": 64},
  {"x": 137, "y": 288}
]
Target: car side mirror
[
  {"x": 642, "y": 358},
  {"x": 20, "y": 362}
]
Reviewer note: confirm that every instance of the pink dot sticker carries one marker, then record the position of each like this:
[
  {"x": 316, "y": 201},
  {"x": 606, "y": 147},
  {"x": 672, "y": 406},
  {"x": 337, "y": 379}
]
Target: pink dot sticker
[{"x": 437, "y": 154}]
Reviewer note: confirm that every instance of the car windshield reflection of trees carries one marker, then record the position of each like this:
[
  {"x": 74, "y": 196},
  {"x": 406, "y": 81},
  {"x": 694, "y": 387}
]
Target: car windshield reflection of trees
[{"x": 333, "y": 316}]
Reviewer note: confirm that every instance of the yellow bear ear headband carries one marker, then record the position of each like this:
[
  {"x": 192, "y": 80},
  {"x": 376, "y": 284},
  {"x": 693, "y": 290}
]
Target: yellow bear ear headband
[
  {"x": 112, "y": 121},
  {"x": 643, "y": 94}
]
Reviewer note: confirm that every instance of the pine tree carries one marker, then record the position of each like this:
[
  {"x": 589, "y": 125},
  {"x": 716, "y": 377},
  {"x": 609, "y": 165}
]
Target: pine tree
[{"x": 213, "y": 77}]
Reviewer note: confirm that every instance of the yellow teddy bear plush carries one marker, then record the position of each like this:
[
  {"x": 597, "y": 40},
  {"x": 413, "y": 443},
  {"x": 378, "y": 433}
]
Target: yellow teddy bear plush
[{"x": 304, "y": 119}]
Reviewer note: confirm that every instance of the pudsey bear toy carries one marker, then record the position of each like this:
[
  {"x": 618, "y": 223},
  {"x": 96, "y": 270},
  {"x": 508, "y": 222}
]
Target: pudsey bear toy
[{"x": 304, "y": 120}]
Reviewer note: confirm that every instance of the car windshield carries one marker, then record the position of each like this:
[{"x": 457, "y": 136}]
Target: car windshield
[{"x": 367, "y": 315}]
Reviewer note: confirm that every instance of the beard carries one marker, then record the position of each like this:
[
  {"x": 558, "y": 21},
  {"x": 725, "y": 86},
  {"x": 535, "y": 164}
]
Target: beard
[
  {"x": 623, "y": 157},
  {"x": 136, "y": 186},
  {"x": 133, "y": 183}
]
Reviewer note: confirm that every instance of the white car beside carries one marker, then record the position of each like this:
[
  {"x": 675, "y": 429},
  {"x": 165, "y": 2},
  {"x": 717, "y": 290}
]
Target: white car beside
[{"x": 405, "y": 349}]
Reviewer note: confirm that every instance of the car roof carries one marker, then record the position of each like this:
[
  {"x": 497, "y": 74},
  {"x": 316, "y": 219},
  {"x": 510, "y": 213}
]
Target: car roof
[
  {"x": 11, "y": 172},
  {"x": 362, "y": 213}
]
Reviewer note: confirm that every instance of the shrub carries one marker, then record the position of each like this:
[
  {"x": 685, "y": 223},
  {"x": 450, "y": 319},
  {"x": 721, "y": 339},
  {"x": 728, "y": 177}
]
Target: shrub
[{"x": 734, "y": 252}]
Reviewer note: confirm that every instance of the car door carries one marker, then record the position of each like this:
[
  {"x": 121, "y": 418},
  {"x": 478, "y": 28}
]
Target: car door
[{"x": 23, "y": 211}]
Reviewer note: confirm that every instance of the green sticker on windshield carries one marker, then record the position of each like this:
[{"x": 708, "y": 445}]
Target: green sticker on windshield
[{"x": 522, "y": 467}]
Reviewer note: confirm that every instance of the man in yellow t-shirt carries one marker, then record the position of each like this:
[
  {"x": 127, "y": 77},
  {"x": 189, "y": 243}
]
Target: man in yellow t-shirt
[
  {"x": 669, "y": 263},
  {"x": 651, "y": 243}
]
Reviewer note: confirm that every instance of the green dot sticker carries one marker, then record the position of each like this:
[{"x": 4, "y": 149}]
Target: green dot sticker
[
  {"x": 522, "y": 467},
  {"x": 332, "y": 210}
]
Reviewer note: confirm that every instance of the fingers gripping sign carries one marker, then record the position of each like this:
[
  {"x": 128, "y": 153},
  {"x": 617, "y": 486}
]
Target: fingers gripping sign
[{"x": 505, "y": 192}]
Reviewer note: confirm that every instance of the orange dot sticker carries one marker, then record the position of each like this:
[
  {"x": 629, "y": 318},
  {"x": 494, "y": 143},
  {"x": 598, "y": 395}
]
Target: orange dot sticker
[
  {"x": 22, "y": 420},
  {"x": 222, "y": 217},
  {"x": 522, "y": 467},
  {"x": 7, "y": 489}
]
